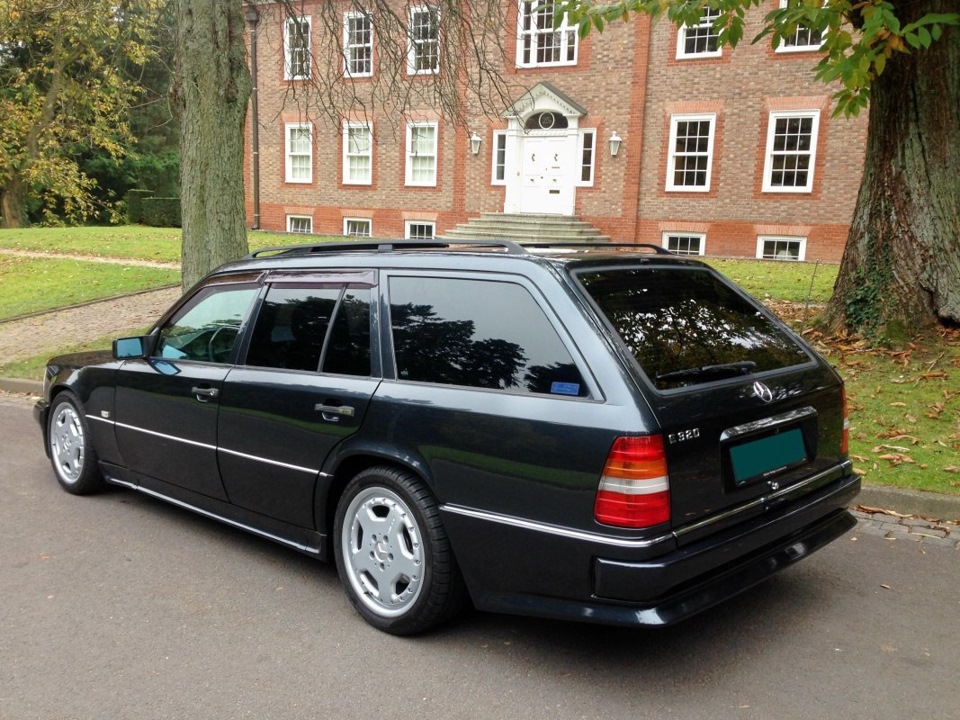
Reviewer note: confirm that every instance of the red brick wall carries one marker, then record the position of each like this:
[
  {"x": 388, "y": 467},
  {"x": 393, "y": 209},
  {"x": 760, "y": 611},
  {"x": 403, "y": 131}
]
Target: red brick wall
[{"x": 629, "y": 81}]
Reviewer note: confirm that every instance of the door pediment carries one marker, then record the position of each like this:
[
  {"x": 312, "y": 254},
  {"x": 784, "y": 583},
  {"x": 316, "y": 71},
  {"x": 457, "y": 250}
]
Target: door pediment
[{"x": 544, "y": 97}]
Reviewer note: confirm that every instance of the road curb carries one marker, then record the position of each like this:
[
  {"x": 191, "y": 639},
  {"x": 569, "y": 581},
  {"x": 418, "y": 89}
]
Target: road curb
[
  {"x": 934, "y": 506},
  {"x": 19, "y": 386}
]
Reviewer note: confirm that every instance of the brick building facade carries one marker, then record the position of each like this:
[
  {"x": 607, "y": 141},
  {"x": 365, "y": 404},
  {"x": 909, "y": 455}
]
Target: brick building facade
[{"x": 650, "y": 133}]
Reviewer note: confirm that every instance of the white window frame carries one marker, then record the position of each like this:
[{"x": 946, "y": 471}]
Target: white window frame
[
  {"x": 347, "y": 154},
  {"x": 705, "y": 26},
  {"x": 349, "y": 47},
  {"x": 532, "y": 39},
  {"x": 408, "y": 225},
  {"x": 770, "y": 153},
  {"x": 293, "y": 219},
  {"x": 409, "y": 179},
  {"x": 360, "y": 221},
  {"x": 794, "y": 45},
  {"x": 416, "y": 44},
  {"x": 790, "y": 239},
  {"x": 288, "y": 49},
  {"x": 498, "y": 161},
  {"x": 289, "y": 154},
  {"x": 678, "y": 234},
  {"x": 587, "y": 140},
  {"x": 673, "y": 155}
]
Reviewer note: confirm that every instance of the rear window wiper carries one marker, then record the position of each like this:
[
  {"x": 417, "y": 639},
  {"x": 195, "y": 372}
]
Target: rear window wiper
[{"x": 732, "y": 369}]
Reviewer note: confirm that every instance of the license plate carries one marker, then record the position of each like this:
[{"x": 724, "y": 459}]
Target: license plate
[{"x": 767, "y": 456}]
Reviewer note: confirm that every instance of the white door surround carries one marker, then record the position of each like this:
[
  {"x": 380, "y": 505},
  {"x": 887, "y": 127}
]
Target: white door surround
[{"x": 542, "y": 166}]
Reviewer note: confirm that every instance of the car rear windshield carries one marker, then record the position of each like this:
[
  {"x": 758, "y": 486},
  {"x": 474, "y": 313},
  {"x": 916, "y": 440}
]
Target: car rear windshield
[{"x": 687, "y": 326}]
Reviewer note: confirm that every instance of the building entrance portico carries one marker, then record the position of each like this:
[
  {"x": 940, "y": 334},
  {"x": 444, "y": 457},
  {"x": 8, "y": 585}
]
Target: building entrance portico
[{"x": 541, "y": 163}]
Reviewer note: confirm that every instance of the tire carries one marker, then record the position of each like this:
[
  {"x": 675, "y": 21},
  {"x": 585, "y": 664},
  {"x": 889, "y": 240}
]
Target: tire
[
  {"x": 393, "y": 555},
  {"x": 72, "y": 454}
]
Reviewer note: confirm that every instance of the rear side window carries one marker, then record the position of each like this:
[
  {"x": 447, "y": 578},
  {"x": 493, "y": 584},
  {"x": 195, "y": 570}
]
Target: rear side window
[
  {"x": 478, "y": 333},
  {"x": 685, "y": 326}
]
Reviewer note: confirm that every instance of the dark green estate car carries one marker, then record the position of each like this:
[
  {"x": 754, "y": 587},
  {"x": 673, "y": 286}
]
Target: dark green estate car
[{"x": 601, "y": 433}]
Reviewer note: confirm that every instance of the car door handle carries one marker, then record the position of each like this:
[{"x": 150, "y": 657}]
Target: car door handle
[
  {"x": 337, "y": 411},
  {"x": 204, "y": 394}
]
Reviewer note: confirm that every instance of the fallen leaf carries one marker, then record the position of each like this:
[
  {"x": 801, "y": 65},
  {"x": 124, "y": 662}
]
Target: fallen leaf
[
  {"x": 885, "y": 587},
  {"x": 897, "y": 458},
  {"x": 868, "y": 509},
  {"x": 894, "y": 448},
  {"x": 898, "y": 404}
]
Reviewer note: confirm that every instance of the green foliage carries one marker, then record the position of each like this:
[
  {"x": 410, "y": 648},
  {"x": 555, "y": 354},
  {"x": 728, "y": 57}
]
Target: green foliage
[
  {"x": 68, "y": 74},
  {"x": 860, "y": 37},
  {"x": 161, "y": 212},
  {"x": 135, "y": 200}
]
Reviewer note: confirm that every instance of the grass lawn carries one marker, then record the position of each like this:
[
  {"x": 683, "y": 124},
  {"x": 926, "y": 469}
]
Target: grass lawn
[
  {"x": 30, "y": 285},
  {"x": 134, "y": 242},
  {"x": 904, "y": 410},
  {"x": 780, "y": 279},
  {"x": 904, "y": 403}
]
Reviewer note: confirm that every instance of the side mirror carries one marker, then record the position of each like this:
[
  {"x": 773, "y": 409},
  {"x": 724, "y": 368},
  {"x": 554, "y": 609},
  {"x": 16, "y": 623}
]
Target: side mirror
[{"x": 131, "y": 348}]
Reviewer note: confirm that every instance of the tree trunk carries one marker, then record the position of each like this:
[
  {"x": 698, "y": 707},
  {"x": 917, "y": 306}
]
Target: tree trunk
[
  {"x": 13, "y": 199},
  {"x": 211, "y": 90},
  {"x": 900, "y": 271}
]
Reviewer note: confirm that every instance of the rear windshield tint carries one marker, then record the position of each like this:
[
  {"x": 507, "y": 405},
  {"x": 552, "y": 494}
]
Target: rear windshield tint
[{"x": 686, "y": 326}]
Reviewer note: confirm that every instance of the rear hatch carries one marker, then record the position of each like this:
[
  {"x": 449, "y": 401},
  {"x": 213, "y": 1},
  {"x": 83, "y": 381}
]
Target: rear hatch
[{"x": 750, "y": 415}]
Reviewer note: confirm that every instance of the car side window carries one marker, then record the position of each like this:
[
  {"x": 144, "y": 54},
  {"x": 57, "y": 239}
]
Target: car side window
[
  {"x": 478, "y": 333},
  {"x": 299, "y": 326},
  {"x": 206, "y": 329},
  {"x": 348, "y": 349},
  {"x": 292, "y": 326}
]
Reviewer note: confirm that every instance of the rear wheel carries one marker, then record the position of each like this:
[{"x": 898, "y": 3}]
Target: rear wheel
[
  {"x": 393, "y": 554},
  {"x": 71, "y": 453}
]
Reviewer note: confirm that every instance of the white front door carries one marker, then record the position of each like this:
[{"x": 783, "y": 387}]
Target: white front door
[{"x": 545, "y": 185}]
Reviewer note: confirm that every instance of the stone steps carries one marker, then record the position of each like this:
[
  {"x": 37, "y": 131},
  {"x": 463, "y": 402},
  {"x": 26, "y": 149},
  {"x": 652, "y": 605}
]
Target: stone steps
[{"x": 525, "y": 228}]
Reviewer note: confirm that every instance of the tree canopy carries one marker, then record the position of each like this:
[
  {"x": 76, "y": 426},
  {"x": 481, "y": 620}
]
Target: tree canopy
[
  {"x": 859, "y": 36},
  {"x": 67, "y": 76}
]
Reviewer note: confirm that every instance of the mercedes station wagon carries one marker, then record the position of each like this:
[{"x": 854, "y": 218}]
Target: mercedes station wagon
[{"x": 604, "y": 433}]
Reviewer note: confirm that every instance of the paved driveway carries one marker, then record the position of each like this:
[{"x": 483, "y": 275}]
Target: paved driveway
[{"x": 118, "y": 606}]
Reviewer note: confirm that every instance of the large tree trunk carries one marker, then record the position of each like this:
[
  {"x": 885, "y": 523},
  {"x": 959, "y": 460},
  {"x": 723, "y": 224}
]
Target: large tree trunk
[
  {"x": 901, "y": 268},
  {"x": 13, "y": 200},
  {"x": 211, "y": 90}
]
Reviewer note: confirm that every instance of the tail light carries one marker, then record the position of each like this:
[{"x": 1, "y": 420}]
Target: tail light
[
  {"x": 845, "y": 437},
  {"x": 634, "y": 490}
]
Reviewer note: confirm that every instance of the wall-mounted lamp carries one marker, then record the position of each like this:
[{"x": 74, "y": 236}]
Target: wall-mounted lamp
[
  {"x": 252, "y": 15},
  {"x": 615, "y": 141},
  {"x": 475, "y": 143}
]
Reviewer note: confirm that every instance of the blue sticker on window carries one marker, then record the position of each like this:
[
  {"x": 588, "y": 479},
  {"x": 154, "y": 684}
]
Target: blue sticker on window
[{"x": 563, "y": 388}]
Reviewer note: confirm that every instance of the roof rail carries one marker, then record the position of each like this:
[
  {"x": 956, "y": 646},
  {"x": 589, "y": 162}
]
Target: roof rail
[
  {"x": 581, "y": 244},
  {"x": 385, "y": 246}
]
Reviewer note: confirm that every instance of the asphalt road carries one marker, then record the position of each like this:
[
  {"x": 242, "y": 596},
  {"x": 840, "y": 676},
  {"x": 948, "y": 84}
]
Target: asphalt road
[{"x": 118, "y": 606}]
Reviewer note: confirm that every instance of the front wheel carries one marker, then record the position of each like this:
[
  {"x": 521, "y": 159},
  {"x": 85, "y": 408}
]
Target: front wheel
[
  {"x": 71, "y": 451},
  {"x": 393, "y": 554}
]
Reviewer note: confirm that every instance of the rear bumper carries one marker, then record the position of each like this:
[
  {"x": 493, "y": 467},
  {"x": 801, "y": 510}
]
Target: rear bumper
[{"x": 582, "y": 580}]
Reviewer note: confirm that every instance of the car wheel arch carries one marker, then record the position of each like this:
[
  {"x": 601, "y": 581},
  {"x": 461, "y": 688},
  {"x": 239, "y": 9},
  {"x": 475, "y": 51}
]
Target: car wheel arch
[{"x": 345, "y": 464}]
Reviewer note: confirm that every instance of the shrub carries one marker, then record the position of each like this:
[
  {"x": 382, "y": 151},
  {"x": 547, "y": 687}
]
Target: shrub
[
  {"x": 161, "y": 212},
  {"x": 135, "y": 200}
]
